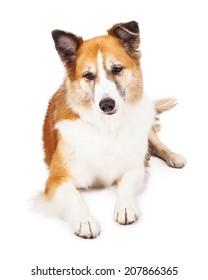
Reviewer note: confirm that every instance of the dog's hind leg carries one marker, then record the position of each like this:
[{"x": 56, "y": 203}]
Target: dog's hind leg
[{"x": 158, "y": 149}]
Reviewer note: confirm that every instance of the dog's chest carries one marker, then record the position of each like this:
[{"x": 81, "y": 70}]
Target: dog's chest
[
  {"x": 99, "y": 156},
  {"x": 99, "y": 147},
  {"x": 104, "y": 153}
]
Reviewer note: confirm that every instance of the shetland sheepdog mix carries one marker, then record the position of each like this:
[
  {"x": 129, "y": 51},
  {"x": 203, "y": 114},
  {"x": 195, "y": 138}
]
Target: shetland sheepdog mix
[{"x": 97, "y": 127}]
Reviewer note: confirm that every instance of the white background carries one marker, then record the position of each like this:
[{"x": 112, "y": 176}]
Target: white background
[{"x": 172, "y": 230}]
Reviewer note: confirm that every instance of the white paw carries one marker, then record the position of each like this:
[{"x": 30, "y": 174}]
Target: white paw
[
  {"x": 87, "y": 227},
  {"x": 125, "y": 213},
  {"x": 176, "y": 160}
]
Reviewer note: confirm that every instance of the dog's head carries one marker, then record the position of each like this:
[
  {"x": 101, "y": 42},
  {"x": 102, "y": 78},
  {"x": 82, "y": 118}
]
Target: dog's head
[{"x": 103, "y": 73}]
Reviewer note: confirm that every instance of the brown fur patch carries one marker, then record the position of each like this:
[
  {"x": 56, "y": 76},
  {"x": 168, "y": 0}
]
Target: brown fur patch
[
  {"x": 109, "y": 46},
  {"x": 57, "y": 110},
  {"x": 58, "y": 169}
]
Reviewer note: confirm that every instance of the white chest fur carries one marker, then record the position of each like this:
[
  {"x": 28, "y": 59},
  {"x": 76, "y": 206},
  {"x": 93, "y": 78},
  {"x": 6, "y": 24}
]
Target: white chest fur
[{"x": 101, "y": 152}]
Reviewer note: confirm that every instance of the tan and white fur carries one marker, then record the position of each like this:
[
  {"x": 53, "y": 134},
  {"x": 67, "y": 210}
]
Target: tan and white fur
[{"x": 98, "y": 126}]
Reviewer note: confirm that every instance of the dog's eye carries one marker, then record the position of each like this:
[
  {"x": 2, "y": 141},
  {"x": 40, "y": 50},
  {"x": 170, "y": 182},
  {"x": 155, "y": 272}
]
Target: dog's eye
[
  {"x": 116, "y": 69},
  {"x": 89, "y": 76}
]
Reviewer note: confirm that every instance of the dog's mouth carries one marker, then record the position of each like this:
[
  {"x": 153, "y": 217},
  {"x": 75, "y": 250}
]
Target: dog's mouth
[{"x": 110, "y": 113}]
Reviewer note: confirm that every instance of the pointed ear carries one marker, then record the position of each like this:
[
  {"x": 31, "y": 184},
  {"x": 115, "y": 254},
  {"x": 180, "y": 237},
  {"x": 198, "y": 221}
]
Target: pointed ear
[
  {"x": 66, "y": 45},
  {"x": 127, "y": 33}
]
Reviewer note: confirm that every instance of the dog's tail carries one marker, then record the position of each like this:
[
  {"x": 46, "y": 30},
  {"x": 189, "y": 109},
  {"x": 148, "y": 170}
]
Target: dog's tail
[
  {"x": 40, "y": 204},
  {"x": 164, "y": 104}
]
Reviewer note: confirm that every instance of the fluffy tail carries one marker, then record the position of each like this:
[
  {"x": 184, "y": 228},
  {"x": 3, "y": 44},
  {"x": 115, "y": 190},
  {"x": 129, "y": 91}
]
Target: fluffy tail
[
  {"x": 164, "y": 104},
  {"x": 46, "y": 207}
]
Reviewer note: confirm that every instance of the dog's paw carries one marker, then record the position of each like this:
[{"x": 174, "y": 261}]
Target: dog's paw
[
  {"x": 87, "y": 227},
  {"x": 176, "y": 160},
  {"x": 125, "y": 213}
]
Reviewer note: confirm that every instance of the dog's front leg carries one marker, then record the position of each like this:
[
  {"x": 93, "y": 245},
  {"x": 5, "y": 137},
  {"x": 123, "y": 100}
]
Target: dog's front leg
[
  {"x": 71, "y": 207},
  {"x": 126, "y": 211},
  {"x": 62, "y": 199}
]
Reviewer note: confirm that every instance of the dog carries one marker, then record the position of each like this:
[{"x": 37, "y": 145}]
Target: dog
[{"x": 99, "y": 128}]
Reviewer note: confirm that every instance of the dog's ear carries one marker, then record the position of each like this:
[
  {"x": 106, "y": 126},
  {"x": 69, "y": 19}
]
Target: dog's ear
[
  {"x": 66, "y": 45},
  {"x": 127, "y": 33}
]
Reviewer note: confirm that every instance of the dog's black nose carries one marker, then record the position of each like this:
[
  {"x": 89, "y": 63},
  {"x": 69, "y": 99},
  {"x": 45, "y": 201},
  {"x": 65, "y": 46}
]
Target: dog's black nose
[{"x": 107, "y": 105}]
